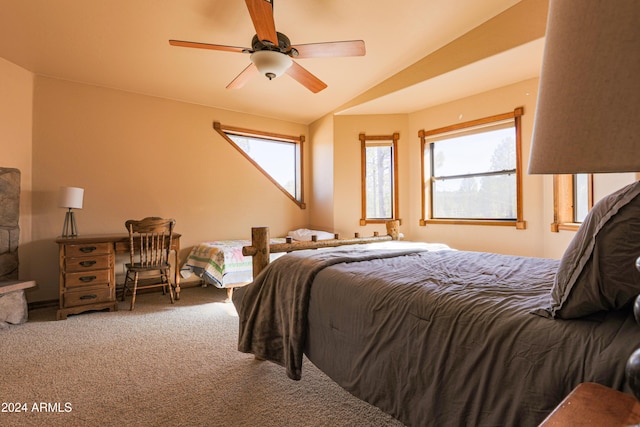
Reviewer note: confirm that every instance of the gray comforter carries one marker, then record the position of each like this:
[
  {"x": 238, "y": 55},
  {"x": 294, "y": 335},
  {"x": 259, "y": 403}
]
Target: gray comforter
[
  {"x": 273, "y": 313},
  {"x": 433, "y": 338}
]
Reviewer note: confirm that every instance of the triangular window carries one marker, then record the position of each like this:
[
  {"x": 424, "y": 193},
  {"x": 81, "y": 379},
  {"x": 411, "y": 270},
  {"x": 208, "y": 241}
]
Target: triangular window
[{"x": 278, "y": 157}]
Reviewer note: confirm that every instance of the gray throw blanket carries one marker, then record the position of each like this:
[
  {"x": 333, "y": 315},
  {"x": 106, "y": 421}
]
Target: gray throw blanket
[{"x": 273, "y": 308}]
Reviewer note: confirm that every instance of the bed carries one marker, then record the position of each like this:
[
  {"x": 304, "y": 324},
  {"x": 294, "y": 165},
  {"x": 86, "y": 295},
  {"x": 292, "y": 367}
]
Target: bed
[
  {"x": 440, "y": 337},
  {"x": 221, "y": 262}
]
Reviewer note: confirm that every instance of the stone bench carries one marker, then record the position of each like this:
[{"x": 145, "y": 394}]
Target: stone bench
[{"x": 13, "y": 303}]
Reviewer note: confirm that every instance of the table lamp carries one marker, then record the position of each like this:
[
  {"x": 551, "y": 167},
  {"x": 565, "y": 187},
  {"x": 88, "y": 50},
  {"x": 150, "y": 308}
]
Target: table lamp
[
  {"x": 70, "y": 198},
  {"x": 587, "y": 118}
]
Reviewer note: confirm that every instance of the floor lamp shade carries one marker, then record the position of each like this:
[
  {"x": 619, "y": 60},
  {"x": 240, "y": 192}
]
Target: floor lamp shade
[
  {"x": 587, "y": 118},
  {"x": 70, "y": 198}
]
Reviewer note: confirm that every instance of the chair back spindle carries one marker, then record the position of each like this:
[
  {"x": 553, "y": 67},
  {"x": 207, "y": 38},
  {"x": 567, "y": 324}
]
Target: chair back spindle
[{"x": 150, "y": 240}]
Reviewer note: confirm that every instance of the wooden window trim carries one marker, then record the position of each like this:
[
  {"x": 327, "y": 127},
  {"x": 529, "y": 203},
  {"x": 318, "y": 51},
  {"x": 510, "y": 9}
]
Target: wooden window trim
[
  {"x": 363, "y": 162},
  {"x": 563, "y": 203},
  {"x": 223, "y": 130},
  {"x": 519, "y": 223}
]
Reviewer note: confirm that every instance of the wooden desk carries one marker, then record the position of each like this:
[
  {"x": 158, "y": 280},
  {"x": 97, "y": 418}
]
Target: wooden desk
[
  {"x": 591, "y": 404},
  {"x": 87, "y": 271}
]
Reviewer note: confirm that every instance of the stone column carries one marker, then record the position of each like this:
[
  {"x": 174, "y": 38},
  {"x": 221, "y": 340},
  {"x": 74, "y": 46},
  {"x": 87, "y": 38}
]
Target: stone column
[{"x": 9, "y": 227}]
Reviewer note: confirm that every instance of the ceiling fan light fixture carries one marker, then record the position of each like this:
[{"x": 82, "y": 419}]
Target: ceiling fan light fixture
[{"x": 271, "y": 63}]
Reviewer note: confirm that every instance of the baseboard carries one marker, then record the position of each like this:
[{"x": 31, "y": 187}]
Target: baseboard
[{"x": 43, "y": 304}]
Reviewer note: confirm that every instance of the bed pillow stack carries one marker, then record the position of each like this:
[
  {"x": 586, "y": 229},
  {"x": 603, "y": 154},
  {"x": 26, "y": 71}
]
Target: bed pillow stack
[{"x": 597, "y": 271}]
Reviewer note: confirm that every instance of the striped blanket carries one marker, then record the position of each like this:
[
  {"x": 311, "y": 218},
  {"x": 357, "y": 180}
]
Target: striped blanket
[{"x": 221, "y": 262}]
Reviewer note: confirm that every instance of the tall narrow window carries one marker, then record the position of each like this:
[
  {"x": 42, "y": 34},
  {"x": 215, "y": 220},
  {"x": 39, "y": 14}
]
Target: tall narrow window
[
  {"x": 379, "y": 178},
  {"x": 278, "y": 157},
  {"x": 472, "y": 174},
  {"x": 572, "y": 200}
]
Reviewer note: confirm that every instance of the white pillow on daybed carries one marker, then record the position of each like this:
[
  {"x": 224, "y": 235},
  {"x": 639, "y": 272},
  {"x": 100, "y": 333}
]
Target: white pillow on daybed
[{"x": 304, "y": 235}]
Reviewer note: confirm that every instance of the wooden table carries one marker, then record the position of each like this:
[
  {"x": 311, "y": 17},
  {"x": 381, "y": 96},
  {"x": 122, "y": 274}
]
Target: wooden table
[
  {"x": 87, "y": 271},
  {"x": 591, "y": 404}
]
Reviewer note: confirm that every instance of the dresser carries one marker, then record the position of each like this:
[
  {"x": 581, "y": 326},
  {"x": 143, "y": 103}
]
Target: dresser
[
  {"x": 87, "y": 271},
  {"x": 87, "y": 279}
]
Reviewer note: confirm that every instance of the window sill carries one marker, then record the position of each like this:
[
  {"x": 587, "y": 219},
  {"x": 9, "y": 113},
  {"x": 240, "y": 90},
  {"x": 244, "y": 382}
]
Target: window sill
[
  {"x": 365, "y": 221},
  {"x": 520, "y": 225},
  {"x": 566, "y": 226}
]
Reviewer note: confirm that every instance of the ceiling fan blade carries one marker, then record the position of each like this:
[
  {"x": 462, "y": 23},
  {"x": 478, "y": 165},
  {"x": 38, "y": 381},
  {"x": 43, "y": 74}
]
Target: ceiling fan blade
[
  {"x": 330, "y": 49},
  {"x": 261, "y": 12},
  {"x": 305, "y": 78},
  {"x": 243, "y": 77},
  {"x": 197, "y": 45}
]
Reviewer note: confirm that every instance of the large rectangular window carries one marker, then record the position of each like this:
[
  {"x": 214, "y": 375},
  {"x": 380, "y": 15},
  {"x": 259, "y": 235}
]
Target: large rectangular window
[
  {"x": 379, "y": 178},
  {"x": 471, "y": 172}
]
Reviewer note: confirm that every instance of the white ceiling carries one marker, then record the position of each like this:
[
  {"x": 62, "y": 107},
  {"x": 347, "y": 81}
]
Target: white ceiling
[{"x": 123, "y": 44}]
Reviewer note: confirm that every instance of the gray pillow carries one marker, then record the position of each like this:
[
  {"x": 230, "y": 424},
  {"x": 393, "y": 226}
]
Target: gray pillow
[{"x": 597, "y": 271}]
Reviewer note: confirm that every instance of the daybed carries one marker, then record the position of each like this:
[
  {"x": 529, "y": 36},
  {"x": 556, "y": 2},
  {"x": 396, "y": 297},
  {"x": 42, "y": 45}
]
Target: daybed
[
  {"x": 444, "y": 337},
  {"x": 222, "y": 264}
]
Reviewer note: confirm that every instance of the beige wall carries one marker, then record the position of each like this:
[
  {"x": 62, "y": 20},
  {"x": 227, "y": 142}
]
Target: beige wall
[
  {"x": 527, "y": 242},
  {"x": 16, "y": 110},
  {"x": 535, "y": 240},
  {"x": 347, "y": 202},
  {"x": 139, "y": 156},
  {"x": 61, "y": 133},
  {"x": 321, "y": 152},
  {"x": 347, "y": 168}
]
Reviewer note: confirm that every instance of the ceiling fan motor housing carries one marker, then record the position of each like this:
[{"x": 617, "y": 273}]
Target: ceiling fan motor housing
[{"x": 283, "y": 45}]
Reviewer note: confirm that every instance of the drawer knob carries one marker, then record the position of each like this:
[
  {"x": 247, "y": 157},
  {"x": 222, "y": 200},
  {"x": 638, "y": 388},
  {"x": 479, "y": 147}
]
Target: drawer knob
[
  {"x": 88, "y": 249},
  {"x": 87, "y": 263},
  {"x": 90, "y": 296},
  {"x": 87, "y": 278}
]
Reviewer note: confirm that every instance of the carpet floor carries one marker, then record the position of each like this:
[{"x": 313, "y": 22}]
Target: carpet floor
[{"x": 159, "y": 365}]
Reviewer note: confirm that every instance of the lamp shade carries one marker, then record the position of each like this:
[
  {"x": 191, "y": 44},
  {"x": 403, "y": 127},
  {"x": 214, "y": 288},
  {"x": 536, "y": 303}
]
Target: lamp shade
[
  {"x": 587, "y": 118},
  {"x": 70, "y": 197},
  {"x": 270, "y": 63}
]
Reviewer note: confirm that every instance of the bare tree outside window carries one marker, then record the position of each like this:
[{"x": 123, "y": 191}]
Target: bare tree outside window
[
  {"x": 379, "y": 178},
  {"x": 379, "y": 181},
  {"x": 471, "y": 172}
]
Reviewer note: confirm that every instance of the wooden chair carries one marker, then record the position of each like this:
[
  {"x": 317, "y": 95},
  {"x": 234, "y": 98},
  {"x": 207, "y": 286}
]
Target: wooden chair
[{"x": 150, "y": 242}]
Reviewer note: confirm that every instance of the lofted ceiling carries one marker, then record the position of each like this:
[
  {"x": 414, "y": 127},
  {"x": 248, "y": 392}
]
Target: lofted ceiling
[{"x": 123, "y": 44}]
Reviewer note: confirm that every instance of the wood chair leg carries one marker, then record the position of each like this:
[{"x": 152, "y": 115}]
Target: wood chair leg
[
  {"x": 166, "y": 277},
  {"x": 135, "y": 289},
  {"x": 127, "y": 278}
]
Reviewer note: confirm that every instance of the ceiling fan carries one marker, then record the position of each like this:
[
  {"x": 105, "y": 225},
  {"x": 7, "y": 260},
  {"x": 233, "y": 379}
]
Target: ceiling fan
[{"x": 271, "y": 51}]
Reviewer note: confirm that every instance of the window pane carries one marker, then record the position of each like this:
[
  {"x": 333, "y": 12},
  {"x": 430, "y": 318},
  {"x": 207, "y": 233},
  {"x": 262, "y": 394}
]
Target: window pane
[
  {"x": 486, "y": 197},
  {"x": 470, "y": 154},
  {"x": 277, "y": 158},
  {"x": 379, "y": 181},
  {"x": 472, "y": 172},
  {"x": 581, "y": 196}
]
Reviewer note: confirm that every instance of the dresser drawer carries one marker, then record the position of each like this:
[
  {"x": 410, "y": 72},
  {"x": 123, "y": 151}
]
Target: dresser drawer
[
  {"x": 88, "y": 296},
  {"x": 87, "y": 249},
  {"x": 87, "y": 278},
  {"x": 97, "y": 262}
]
